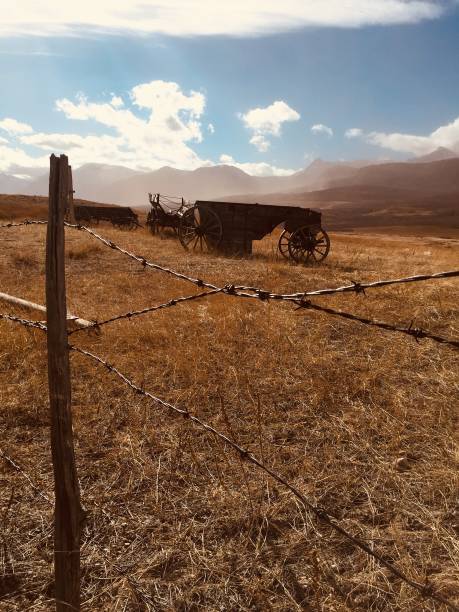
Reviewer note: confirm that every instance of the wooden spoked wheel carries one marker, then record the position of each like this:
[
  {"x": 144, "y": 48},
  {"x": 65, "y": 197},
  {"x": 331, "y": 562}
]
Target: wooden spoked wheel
[
  {"x": 306, "y": 245},
  {"x": 152, "y": 223},
  {"x": 282, "y": 245},
  {"x": 200, "y": 229}
]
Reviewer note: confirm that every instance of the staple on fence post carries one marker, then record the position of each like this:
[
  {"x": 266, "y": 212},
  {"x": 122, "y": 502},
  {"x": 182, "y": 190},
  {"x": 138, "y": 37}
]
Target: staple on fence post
[{"x": 67, "y": 495}]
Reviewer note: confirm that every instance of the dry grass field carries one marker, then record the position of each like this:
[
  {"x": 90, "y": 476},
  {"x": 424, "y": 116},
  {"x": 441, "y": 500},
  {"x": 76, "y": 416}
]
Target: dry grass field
[{"x": 362, "y": 421}]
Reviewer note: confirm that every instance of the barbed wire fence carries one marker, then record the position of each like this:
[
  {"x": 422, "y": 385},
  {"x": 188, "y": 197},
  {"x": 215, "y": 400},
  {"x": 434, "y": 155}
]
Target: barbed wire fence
[{"x": 300, "y": 300}]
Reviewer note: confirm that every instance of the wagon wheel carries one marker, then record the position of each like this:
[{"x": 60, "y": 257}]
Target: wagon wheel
[
  {"x": 282, "y": 245},
  {"x": 152, "y": 222},
  {"x": 306, "y": 244},
  {"x": 200, "y": 229},
  {"x": 132, "y": 225}
]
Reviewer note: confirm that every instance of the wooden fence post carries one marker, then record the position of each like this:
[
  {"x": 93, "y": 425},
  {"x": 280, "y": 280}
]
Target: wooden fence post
[
  {"x": 71, "y": 209},
  {"x": 67, "y": 494}
]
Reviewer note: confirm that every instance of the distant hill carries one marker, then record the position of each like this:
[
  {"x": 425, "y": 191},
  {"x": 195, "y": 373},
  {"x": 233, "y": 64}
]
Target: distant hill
[
  {"x": 438, "y": 155},
  {"x": 374, "y": 207},
  {"x": 434, "y": 177}
]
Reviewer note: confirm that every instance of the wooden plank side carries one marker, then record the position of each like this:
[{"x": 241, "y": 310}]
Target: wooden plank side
[{"x": 67, "y": 495}]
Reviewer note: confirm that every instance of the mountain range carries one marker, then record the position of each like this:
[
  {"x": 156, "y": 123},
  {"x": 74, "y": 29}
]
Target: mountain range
[
  {"x": 120, "y": 185},
  {"x": 421, "y": 192}
]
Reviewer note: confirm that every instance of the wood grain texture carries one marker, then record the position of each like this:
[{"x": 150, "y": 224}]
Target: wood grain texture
[{"x": 67, "y": 494}]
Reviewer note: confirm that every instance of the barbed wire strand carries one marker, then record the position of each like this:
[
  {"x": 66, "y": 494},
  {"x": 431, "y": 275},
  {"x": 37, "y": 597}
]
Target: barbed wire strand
[
  {"x": 19, "y": 469},
  {"x": 135, "y": 313},
  {"x": 21, "y": 223},
  {"x": 24, "y": 322},
  {"x": 425, "y": 590},
  {"x": 358, "y": 287},
  {"x": 416, "y": 332}
]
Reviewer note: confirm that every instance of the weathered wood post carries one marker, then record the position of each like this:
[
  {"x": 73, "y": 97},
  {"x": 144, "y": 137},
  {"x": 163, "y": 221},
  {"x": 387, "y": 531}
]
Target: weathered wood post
[
  {"x": 67, "y": 494},
  {"x": 70, "y": 208}
]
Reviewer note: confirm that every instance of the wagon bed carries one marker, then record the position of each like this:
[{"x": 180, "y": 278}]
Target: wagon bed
[
  {"x": 231, "y": 227},
  {"x": 119, "y": 216}
]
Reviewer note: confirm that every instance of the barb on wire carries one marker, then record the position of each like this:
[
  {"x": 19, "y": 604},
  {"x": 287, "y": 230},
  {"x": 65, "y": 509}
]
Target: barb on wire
[
  {"x": 415, "y": 332},
  {"x": 321, "y": 514},
  {"x": 24, "y": 322},
  {"x": 19, "y": 469},
  {"x": 21, "y": 223},
  {"x": 359, "y": 287},
  {"x": 136, "y": 313}
]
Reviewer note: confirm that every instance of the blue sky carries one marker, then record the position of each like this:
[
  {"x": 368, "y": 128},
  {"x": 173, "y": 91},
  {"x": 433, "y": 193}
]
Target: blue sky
[{"x": 176, "y": 92}]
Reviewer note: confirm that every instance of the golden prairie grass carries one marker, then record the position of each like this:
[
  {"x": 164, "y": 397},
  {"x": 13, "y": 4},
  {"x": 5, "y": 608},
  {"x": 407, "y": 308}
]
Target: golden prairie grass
[{"x": 360, "y": 420}]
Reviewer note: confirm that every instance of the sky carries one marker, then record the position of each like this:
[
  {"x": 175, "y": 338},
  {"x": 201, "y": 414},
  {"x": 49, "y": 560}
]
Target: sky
[{"x": 264, "y": 86}]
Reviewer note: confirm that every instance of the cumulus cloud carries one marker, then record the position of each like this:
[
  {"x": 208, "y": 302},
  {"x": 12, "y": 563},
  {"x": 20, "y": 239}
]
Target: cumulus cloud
[
  {"x": 265, "y": 122},
  {"x": 320, "y": 128},
  {"x": 15, "y": 127},
  {"x": 162, "y": 137},
  {"x": 13, "y": 157},
  {"x": 445, "y": 136},
  {"x": 238, "y": 18},
  {"x": 256, "y": 169}
]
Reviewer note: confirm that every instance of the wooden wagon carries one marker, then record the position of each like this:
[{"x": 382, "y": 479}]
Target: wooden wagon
[
  {"x": 165, "y": 212},
  {"x": 119, "y": 216},
  {"x": 230, "y": 228}
]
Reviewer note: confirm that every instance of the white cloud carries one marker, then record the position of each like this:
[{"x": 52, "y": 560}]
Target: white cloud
[
  {"x": 260, "y": 143},
  {"x": 353, "y": 133},
  {"x": 207, "y": 17},
  {"x": 445, "y": 136},
  {"x": 3, "y": 140},
  {"x": 15, "y": 127},
  {"x": 320, "y": 128},
  {"x": 264, "y": 122},
  {"x": 13, "y": 158},
  {"x": 160, "y": 139},
  {"x": 256, "y": 169},
  {"x": 211, "y": 128}
]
